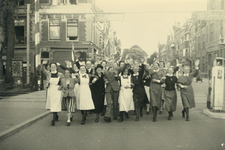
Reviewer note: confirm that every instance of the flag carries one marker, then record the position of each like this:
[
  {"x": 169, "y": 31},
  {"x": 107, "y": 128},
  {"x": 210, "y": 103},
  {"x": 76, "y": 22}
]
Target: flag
[{"x": 72, "y": 52}]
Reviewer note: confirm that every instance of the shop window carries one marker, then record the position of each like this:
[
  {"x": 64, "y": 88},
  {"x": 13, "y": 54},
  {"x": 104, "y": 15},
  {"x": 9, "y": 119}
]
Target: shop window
[
  {"x": 54, "y": 29},
  {"x": 72, "y": 29},
  {"x": 19, "y": 33},
  {"x": 44, "y": 54}
]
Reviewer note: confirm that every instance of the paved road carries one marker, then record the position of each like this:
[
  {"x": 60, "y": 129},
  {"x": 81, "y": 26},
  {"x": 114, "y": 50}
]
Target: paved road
[{"x": 201, "y": 133}]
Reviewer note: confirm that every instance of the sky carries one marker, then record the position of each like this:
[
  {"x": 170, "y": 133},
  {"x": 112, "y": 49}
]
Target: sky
[{"x": 147, "y": 22}]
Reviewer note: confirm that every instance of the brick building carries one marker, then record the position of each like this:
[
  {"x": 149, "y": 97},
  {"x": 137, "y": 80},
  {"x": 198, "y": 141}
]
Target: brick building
[{"x": 58, "y": 25}]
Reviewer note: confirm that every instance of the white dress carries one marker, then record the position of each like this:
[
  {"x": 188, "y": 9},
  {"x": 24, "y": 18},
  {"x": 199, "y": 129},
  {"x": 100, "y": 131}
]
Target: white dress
[
  {"x": 54, "y": 96},
  {"x": 84, "y": 99},
  {"x": 126, "y": 95}
]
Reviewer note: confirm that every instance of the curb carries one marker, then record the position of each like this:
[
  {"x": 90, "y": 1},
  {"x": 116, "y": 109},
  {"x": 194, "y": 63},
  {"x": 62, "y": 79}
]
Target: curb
[
  {"x": 21, "y": 126},
  {"x": 214, "y": 115}
]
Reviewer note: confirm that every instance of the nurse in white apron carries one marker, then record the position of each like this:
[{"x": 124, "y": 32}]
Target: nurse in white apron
[
  {"x": 54, "y": 96},
  {"x": 85, "y": 101}
]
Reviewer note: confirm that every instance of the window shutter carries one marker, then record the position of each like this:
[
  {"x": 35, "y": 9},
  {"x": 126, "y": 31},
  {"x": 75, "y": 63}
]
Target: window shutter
[
  {"x": 44, "y": 31},
  {"x": 63, "y": 30}
]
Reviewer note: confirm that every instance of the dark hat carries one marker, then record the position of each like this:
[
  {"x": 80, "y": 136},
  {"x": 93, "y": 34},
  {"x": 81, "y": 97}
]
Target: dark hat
[{"x": 99, "y": 66}]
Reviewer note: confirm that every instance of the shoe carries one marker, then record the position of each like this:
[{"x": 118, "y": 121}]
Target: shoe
[
  {"x": 68, "y": 124},
  {"x": 127, "y": 116},
  {"x": 57, "y": 118},
  {"x": 160, "y": 112},
  {"x": 97, "y": 120},
  {"x": 147, "y": 113},
  {"x": 187, "y": 119},
  {"x": 71, "y": 118},
  {"x": 107, "y": 119},
  {"x": 120, "y": 120},
  {"x": 137, "y": 118},
  {"x": 53, "y": 123},
  {"x": 183, "y": 114},
  {"x": 83, "y": 121},
  {"x": 114, "y": 118},
  {"x": 154, "y": 119},
  {"x": 169, "y": 118}
]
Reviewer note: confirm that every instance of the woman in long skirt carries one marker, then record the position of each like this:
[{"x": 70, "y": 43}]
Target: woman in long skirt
[
  {"x": 139, "y": 95},
  {"x": 54, "y": 96},
  {"x": 170, "y": 92},
  {"x": 84, "y": 102},
  {"x": 186, "y": 90},
  {"x": 155, "y": 89},
  {"x": 98, "y": 91},
  {"x": 125, "y": 95}
]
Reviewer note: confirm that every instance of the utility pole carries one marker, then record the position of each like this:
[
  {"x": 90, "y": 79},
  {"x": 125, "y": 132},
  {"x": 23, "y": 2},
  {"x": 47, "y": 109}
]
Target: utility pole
[{"x": 28, "y": 43}]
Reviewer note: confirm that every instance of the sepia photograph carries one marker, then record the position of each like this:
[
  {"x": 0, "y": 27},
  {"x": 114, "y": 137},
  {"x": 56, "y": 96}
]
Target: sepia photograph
[{"x": 112, "y": 74}]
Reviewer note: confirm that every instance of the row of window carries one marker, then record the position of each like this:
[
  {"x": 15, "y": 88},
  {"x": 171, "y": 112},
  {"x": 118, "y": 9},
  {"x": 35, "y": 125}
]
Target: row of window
[{"x": 54, "y": 29}]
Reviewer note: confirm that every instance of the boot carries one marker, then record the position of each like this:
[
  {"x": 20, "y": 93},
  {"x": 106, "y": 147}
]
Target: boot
[
  {"x": 121, "y": 117},
  {"x": 104, "y": 110},
  {"x": 137, "y": 114},
  {"x": 54, "y": 117},
  {"x": 170, "y": 116},
  {"x": 84, "y": 117},
  {"x": 187, "y": 113},
  {"x": 183, "y": 113},
  {"x": 57, "y": 117},
  {"x": 127, "y": 115},
  {"x": 141, "y": 113},
  {"x": 154, "y": 113}
]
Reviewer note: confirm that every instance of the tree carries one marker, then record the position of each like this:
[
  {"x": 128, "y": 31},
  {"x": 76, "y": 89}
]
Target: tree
[
  {"x": 152, "y": 57},
  {"x": 8, "y": 9}
]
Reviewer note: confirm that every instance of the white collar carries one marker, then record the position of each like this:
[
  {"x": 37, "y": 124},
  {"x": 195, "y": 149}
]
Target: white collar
[
  {"x": 186, "y": 74},
  {"x": 125, "y": 75},
  {"x": 169, "y": 75},
  {"x": 156, "y": 70},
  {"x": 54, "y": 72},
  {"x": 136, "y": 74}
]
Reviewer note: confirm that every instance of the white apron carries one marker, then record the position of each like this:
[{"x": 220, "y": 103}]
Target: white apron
[
  {"x": 54, "y": 96},
  {"x": 84, "y": 101},
  {"x": 125, "y": 96}
]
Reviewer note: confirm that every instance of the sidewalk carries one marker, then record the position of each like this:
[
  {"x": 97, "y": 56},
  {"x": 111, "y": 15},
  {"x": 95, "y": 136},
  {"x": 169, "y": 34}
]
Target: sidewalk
[{"x": 20, "y": 111}]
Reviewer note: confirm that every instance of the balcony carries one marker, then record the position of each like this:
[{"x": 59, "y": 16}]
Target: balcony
[{"x": 221, "y": 40}]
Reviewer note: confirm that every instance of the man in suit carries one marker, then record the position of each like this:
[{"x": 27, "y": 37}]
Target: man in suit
[
  {"x": 112, "y": 93},
  {"x": 89, "y": 70}
]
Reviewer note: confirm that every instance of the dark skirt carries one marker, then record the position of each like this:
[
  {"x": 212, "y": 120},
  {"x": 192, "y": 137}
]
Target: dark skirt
[
  {"x": 69, "y": 104},
  {"x": 187, "y": 96},
  {"x": 140, "y": 97},
  {"x": 98, "y": 99},
  {"x": 171, "y": 100}
]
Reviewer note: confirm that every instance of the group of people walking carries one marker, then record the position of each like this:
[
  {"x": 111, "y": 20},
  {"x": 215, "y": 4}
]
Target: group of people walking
[{"x": 113, "y": 89}]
